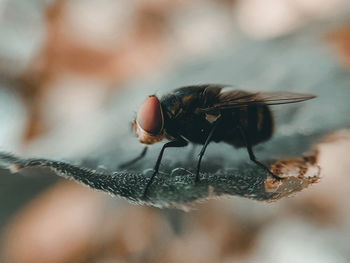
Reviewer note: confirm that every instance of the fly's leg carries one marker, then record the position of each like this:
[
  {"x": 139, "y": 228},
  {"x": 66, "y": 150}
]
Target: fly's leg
[
  {"x": 176, "y": 143},
  {"x": 131, "y": 162},
  {"x": 191, "y": 152},
  {"x": 251, "y": 153},
  {"x": 207, "y": 141}
]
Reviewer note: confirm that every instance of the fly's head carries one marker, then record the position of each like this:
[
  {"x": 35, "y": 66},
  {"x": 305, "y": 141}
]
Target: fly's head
[{"x": 149, "y": 123}]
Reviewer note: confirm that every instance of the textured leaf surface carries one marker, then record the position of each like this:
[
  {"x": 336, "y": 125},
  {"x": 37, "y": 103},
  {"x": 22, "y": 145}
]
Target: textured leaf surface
[{"x": 178, "y": 188}]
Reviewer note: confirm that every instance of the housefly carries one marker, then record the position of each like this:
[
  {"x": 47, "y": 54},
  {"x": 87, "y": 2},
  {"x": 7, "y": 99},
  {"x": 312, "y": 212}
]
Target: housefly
[{"x": 201, "y": 114}]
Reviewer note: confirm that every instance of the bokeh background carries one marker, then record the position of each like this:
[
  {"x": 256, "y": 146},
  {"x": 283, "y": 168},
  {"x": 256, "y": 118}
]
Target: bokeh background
[{"x": 64, "y": 64}]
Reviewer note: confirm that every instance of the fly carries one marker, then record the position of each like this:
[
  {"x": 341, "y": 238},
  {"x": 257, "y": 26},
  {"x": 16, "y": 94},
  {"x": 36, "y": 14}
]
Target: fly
[{"x": 201, "y": 114}]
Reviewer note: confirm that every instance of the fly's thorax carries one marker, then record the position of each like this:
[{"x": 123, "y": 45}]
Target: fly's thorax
[{"x": 172, "y": 107}]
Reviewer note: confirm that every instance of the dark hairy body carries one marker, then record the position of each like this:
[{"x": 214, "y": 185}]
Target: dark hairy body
[{"x": 183, "y": 120}]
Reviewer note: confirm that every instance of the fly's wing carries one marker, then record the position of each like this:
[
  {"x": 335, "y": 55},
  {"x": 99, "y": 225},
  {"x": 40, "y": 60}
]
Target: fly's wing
[{"x": 238, "y": 98}]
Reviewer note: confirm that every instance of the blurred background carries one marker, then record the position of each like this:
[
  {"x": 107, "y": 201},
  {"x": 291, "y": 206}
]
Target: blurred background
[{"x": 65, "y": 64}]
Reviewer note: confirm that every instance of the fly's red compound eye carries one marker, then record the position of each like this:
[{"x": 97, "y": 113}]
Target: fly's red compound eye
[{"x": 150, "y": 116}]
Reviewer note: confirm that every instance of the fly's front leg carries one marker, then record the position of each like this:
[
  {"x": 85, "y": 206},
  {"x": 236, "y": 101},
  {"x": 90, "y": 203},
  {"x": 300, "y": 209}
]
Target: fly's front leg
[
  {"x": 176, "y": 143},
  {"x": 251, "y": 153},
  {"x": 131, "y": 162}
]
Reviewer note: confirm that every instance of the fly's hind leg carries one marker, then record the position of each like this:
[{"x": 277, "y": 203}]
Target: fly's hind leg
[
  {"x": 252, "y": 155},
  {"x": 191, "y": 151},
  {"x": 131, "y": 162}
]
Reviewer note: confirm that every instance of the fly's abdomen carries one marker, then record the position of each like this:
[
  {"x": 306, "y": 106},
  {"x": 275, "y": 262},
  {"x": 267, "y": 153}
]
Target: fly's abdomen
[
  {"x": 257, "y": 121},
  {"x": 258, "y": 124}
]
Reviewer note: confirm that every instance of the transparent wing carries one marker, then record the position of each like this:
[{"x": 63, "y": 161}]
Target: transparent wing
[{"x": 238, "y": 98}]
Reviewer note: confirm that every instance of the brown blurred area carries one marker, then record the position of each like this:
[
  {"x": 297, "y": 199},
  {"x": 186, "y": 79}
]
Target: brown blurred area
[
  {"x": 87, "y": 51},
  {"x": 142, "y": 45}
]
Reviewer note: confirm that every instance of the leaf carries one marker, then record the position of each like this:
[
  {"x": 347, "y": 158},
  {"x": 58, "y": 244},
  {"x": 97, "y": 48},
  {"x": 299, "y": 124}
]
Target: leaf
[{"x": 178, "y": 188}]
